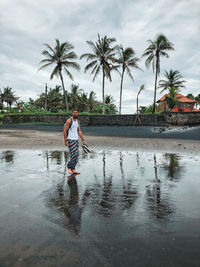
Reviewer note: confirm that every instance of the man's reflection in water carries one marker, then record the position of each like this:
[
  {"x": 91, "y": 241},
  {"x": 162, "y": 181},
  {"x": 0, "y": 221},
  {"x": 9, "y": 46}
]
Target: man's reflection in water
[{"x": 72, "y": 209}]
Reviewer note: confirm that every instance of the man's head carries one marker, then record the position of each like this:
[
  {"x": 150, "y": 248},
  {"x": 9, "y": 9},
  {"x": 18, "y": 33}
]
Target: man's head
[{"x": 75, "y": 113}]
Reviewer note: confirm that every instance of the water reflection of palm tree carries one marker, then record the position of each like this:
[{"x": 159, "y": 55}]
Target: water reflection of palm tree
[
  {"x": 7, "y": 156},
  {"x": 57, "y": 155},
  {"x": 172, "y": 165},
  {"x": 158, "y": 206},
  {"x": 105, "y": 202},
  {"x": 129, "y": 194}
]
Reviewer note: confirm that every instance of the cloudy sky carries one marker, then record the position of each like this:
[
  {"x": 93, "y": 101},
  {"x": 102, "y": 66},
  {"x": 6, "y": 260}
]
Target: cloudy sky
[{"x": 25, "y": 25}]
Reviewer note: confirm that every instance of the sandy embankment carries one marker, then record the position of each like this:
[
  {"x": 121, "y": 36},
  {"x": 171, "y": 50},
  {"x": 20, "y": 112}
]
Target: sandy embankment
[{"x": 32, "y": 139}]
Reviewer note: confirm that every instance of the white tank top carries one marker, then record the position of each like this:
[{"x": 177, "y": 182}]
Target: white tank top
[{"x": 73, "y": 131}]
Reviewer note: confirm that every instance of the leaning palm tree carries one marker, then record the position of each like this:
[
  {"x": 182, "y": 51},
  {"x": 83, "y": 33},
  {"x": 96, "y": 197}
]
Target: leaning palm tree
[
  {"x": 61, "y": 56},
  {"x": 137, "y": 116},
  {"x": 101, "y": 59},
  {"x": 126, "y": 60},
  {"x": 157, "y": 49},
  {"x": 173, "y": 79}
]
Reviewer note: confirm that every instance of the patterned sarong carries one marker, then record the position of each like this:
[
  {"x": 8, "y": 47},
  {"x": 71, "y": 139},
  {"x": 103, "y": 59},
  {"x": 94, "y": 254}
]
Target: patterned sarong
[{"x": 73, "y": 150}]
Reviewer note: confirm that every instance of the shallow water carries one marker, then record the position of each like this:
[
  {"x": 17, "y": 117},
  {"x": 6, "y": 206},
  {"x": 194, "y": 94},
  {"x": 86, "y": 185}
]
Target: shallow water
[{"x": 126, "y": 208}]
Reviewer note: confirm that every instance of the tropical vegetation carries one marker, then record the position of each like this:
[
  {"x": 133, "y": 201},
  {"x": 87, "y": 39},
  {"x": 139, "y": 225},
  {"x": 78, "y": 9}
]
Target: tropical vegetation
[{"x": 105, "y": 56}]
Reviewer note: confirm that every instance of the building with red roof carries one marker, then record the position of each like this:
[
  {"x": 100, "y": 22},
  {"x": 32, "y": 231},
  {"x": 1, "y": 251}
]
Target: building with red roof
[{"x": 184, "y": 104}]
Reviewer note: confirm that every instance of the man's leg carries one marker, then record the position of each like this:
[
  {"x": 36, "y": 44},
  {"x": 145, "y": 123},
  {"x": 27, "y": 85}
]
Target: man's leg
[
  {"x": 70, "y": 164},
  {"x": 73, "y": 149},
  {"x": 75, "y": 158}
]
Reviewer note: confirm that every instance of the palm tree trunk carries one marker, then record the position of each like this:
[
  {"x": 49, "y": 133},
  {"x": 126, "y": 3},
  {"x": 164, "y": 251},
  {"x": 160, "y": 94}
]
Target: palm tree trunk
[
  {"x": 103, "y": 83},
  {"x": 137, "y": 103},
  {"x": 120, "y": 101},
  {"x": 64, "y": 92},
  {"x": 155, "y": 88},
  {"x": 45, "y": 104}
]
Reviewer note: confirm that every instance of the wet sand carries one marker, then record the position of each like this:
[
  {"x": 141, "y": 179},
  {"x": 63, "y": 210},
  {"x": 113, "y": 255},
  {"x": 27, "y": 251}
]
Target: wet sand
[
  {"x": 126, "y": 208},
  {"x": 52, "y": 140},
  {"x": 135, "y": 203}
]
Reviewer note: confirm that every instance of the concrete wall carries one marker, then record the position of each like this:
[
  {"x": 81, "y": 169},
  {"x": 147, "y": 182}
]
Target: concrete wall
[
  {"x": 187, "y": 118},
  {"x": 126, "y": 120},
  {"x": 182, "y": 118}
]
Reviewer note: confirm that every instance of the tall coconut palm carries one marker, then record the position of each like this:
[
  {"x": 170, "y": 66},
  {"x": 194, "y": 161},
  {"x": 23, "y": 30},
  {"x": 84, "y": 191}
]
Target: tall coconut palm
[
  {"x": 61, "y": 57},
  {"x": 126, "y": 60},
  {"x": 101, "y": 59},
  {"x": 157, "y": 49},
  {"x": 173, "y": 79}
]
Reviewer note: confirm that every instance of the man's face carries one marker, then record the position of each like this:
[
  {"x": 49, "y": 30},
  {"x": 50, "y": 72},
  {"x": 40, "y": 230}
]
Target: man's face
[{"x": 75, "y": 114}]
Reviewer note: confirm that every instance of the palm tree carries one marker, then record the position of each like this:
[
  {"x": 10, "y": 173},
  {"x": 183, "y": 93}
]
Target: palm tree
[
  {"x": 173, "y": 79},
  {"x": 197, "y": 98},
  {"x": 101, "y": 59},
  {"x": 190, "y": 96},
  {"x": 92, "y": 100},
  {"x": 154, "y": 51},
  {"x": 141, "y": 89},
  {"x": 75, "y": 95},
  {"x": 61, "y": 57},
  {"x": 137, "y": 116},
  {"x": 1, "y": 100},
  {"x": 171, "y": 98},
  {"x": 126, "y": 60},
  {"x": 8, "y": 96}
]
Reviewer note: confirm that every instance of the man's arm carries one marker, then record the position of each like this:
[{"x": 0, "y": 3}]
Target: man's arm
[
  {"x": 81, "y": 134},
  {"x": 65, "y": 131}
]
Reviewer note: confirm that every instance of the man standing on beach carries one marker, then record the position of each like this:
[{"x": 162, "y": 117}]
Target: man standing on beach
[{"x": 71, "y": 131}]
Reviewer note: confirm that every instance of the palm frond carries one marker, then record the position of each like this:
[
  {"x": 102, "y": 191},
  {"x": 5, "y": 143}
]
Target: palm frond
[{"x": 68, "y": 74}]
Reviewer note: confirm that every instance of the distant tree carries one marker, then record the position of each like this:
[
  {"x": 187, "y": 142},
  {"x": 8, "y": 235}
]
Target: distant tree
[
  {"x": 197, "y": 98},
  {"x": 157, "y": 49},
  {"x": 61, "y": 56},
  {"x": 190, "y": 96},
  {"x": 171, "y": 98},
  {"x": 1, "y": 100},
  {"x": 126, "y": 60},
  {"x": 92, "y": 100},
  {"x": 173, "y": 79},
  {"x": 109, "y": 104},
  {"x": 83, "y": 104},
  {"x": 102, "y": 57},
  {"x": 8, "y": 96},
  {"x": 74, "y": 96}
]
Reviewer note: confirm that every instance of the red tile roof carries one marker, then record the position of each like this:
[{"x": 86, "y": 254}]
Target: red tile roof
[{"x": 181, "y": 97}]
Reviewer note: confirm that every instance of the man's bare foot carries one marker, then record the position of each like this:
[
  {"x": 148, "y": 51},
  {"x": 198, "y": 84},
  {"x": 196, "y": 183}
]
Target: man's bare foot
[
  {"x": 75, "y": 172},
  {"x": 69, "y": 171}
]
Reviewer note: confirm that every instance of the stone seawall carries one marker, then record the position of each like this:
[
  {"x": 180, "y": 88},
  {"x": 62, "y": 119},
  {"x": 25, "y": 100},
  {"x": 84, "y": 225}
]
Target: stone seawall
[
  {"x": 183, "y": 118},
  {"x": 186, "y": 118},
  {"x": 86, "y": 120}
]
